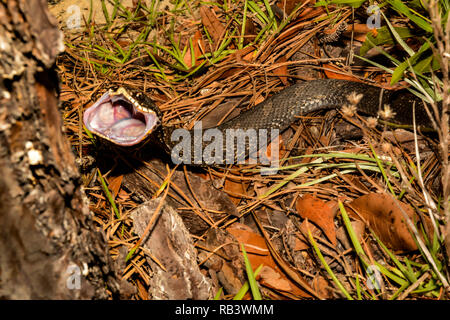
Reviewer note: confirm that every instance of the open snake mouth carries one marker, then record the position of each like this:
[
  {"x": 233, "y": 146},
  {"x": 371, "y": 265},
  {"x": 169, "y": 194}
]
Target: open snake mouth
[{"x": 119, "y": 118}]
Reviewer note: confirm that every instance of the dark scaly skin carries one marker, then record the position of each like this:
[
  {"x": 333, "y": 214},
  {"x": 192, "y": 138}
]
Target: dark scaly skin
[{"x": 280, "y": 110}]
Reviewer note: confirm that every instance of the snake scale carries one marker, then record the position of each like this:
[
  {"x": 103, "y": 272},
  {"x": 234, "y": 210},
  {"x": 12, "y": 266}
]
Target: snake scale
[{"x": 129, "y": 118}]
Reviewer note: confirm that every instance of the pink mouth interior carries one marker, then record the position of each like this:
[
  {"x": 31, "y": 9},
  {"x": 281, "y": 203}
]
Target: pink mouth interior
[{"x": 117, "y": 120}]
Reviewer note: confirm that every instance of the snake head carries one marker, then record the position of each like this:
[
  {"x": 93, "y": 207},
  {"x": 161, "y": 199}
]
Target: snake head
[{"x": 122, "y": 117}]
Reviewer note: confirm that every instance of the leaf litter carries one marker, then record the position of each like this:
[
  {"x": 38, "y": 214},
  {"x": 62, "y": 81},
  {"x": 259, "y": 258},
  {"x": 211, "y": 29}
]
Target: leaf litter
[{"x": 192, "y": 60}]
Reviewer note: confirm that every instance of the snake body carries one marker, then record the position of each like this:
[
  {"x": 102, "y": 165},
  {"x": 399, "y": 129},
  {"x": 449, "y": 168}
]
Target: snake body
[{"x": 279, "y": 111}]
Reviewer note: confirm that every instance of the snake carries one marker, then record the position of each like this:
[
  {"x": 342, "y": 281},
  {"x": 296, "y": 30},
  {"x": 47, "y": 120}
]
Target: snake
[{"x": 129, "y": 118}]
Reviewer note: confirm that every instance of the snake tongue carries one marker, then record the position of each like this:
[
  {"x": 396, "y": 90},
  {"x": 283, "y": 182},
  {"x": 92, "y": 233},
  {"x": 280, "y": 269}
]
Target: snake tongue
[
  {"x": 127, "y": 130},
  {"x": 115, "y": 118}
]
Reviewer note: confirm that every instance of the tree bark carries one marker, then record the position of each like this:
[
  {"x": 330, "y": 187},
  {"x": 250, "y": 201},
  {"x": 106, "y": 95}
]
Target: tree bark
[{"x": 49, "y": 246}]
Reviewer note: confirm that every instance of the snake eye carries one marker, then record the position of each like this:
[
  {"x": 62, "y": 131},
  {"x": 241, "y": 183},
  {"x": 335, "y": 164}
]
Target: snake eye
[{"x": 115, "y": 118}]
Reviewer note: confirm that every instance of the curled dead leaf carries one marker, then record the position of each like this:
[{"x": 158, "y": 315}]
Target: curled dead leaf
[
  {"x": 273, "y": 279},
  {"x": 199, "y": 47},
  {"x": 234, "y": 189},
  {"x": 282, "y": 71},
  {"x": 342, "y": 234},
  {"x": 302, "y": 241},
  {"x": 383, "y": 213},
  {"x": 258, "y": 253},
  {"x": 114, "y": 184},
  {"x": 323, "y": 287},
  {"x": 319, "y": 212},
  {"x": 212, "y": 24}
]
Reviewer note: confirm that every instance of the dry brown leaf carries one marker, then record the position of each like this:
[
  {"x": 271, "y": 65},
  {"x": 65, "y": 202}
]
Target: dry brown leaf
[
  {"x": 323, "y": 287},
  {"x": 383, "y": 214},
  {"x": 272, "y": 279},
  {"x": 123, "y": 43},
  {"x": 258, "y": 254},
  {"x": 302, "y": 241},
  {"x": 342, "y": 234},
  {"x": 249, "y": 56},
  {"x": 282, "y": 71},
  {"x": 198, "y": 45},
  {"x": 114, "y": 184},
  {"x": 123, "y": 195},
  {"x": 212, "y": 24},
  {"x": 259, "y": 99},
  {"x": 324, "y": 140},
  {"x": 356, "y": 183},
  {"x": 253, "y": 242},
  {"x": 319, "y": 212},
  {"x": 300, "y": 244},
  {"x": 281, "y": 148},
  {"x": 234, "y": 189},
  {"x": 311, "y": 13},
  {"x": 244, "y": 54},
  {"x": 250, "y": 31},
  {"x": 359, "y": 30}
]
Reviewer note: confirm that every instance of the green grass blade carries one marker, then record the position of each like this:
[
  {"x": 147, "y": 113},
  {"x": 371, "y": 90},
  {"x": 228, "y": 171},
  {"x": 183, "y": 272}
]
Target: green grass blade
[
  {"x": 401, "y": 7},
  {"x": 352, "y": 3},
  {"x": 251, "y": 277},
  {"x": 258, "y": 12},
  {"x": 383, "y": 172},
  {"x": 354, "y": 239},
  {"x": 408, "y": 273},
  {"x": 327, "y": 267},
  {"x": 105, "y": 13},
  {"x": 108, "y": 194},
  {"x": 402, "y": 288},
  {"x": 219, "y": 292},
  {"x": 244, "y": 22},
  {"x": 360, "y": 252},
  {"x": 420, "y": 92},
  {"x": 131, "y": 253},
  {"x": 161, "y": 70},
  {"x": 89, "y": 134},
  {"x": 271, "y": 15},
  {"x": 358, "y": 288},
  {"x": 118, "y": 47},
  {"x": 241, "y": 293},
  {"x": 89, "y": 20},
  {"x": 176, "y": 54},
  {"x": 115, "y": 9},
  {"x": 193, "y": 58},
  {"x": 289, "y": 178},
  {"x": 397, "y": 36}
]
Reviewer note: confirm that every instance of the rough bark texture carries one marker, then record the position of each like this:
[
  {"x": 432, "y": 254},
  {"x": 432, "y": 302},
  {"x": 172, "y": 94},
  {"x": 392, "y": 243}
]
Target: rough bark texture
[
  {"x": 47, "y": 237},
  {"x": 171, "y": 245}
]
